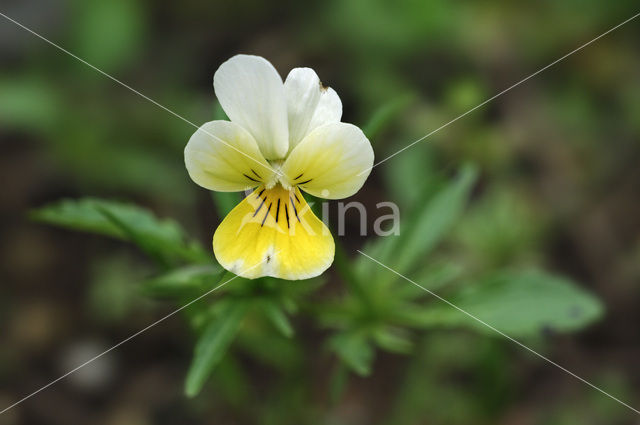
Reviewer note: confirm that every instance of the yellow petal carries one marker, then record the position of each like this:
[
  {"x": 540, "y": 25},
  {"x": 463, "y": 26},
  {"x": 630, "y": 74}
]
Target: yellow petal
[{"x": 273, "y": 232}]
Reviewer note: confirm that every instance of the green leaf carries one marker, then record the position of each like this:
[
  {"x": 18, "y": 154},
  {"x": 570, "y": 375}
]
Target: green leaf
[
  {"x": 212, "y": 344},
  {"x": 354, "y": 277},
  {"x": 277, "y": 317},
  {"x": 162, "y": 239},
  {"x": 385, "y": 114},
  {"x": 432, "y": 221},
  {"x": 95, "y": 38},
  {"x": 354, "y": 350},
  {"x": 518, "y": 304},
  {"x": 282, "y": 354},
  {"x": 232, "y": 382},
  {"x": 87, "y": 214},
  {"x": 503, "y": 227},
  {"x": 393, "y": 339},
  {"x": 401, "y": 173},
  {"x": 428, "y": 223},
  {"x": 433, "y": 277},
  {"x": 80, "y": 214},
  {"x": 29, "y": 102},
  {"x": 190, "y": 280}
]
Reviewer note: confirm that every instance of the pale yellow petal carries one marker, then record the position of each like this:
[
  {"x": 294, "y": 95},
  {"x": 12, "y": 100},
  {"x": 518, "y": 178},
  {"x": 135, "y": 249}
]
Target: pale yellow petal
[
  {"x": 223, "y": 156},
  {"x": 332, "y": 162}
]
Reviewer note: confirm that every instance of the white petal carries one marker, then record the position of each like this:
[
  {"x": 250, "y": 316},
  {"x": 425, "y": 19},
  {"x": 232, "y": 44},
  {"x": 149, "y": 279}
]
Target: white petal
[
  {"x": 309, "y": 104},
  {"x": 333, "y": 161},
  {"x": 223, "y": 156},
  {"x": 302, "y": 91},
  {"x": 329, "y": 109},
  {"x": 252, "y": 94}
]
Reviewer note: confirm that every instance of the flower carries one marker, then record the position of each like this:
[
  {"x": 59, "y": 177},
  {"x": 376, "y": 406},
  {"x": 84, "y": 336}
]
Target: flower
[{"x": 282, "y": 137}]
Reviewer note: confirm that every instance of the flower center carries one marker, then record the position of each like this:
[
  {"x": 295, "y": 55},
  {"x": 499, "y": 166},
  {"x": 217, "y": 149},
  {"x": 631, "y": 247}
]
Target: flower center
[
  {"x": 277, "y": 207},
  {"x": 278, "y": 177}
]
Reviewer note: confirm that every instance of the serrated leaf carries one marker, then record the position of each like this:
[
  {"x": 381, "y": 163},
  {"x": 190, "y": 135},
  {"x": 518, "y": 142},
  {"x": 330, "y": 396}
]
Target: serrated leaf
[
  {"x": 160, "y": 238},
  {"x": 518, "y": 304},
  {"x": 184, "y": 281},
  {"x": 211, "y": 346},
  {"x": 354, "y": 350}
]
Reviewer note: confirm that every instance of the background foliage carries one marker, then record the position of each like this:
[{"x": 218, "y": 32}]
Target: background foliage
[{"x": 523, "y": 213}]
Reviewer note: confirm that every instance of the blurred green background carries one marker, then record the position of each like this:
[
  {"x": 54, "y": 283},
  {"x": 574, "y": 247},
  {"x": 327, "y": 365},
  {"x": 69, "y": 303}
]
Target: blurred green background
[{"x": 555, "y": 187}]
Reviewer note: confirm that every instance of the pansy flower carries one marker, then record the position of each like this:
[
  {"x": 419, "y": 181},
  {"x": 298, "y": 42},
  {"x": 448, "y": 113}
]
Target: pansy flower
[{"x": 282, "y": 139}]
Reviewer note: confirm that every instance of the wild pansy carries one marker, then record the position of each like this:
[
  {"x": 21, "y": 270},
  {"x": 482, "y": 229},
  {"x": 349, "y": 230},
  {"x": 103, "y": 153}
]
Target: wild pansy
[{"x": 282, "y": 138}]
